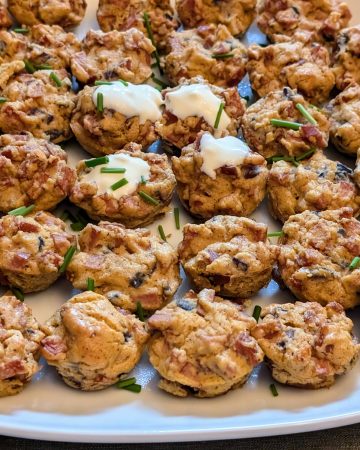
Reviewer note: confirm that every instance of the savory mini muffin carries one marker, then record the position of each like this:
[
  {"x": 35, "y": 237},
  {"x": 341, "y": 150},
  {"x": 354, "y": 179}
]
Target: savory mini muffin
[
  {"x": 294, "y": 64},
  {"x": 307, "y": 345},
  {"x": 66, "y": 13},
  {"x": 231, "y": 255},
  {"x": 130, "y": 186},
  {"x": 195, "y": 106},
  {"x": 41, "y": 102},
  {"x": 13, "y": 46},
  {"x": 269, "y": 138},
  {"x": 202, "y": 345},
  {"x": 128, "y": 266},
  {"x": 91, "y": 343},
  {"x": 220, "y": 176},
  {"x": 237, "y": 15},
  {"x": 209, "y": 51},
  {"x": 5, "y": 18},
  {"x": 32, "y": 172},
  {"x": 124, "y": 14},
  {"x": 32, "y": 250},
  {"x": 316, "y": 184},
  {"x": 344, "y": 113},
  {"x": 113, "y": 55},
  {"x": 51, "y": 47},
  {"x": 317, "y": 260},
  {"x": 347, "y": 57},
  {"x": 311, "y": 21},
  {"x": 20, "y": 338},
  {"x": 128, "y": 114}
]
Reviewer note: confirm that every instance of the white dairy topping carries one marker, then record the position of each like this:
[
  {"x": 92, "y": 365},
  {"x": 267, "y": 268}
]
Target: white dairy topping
[
  {"x": 132, "y": 100},
  {"x": 216, "y": 153},
  {"x": 196, "y": 100},
  {"x": 135, "y": 169}
]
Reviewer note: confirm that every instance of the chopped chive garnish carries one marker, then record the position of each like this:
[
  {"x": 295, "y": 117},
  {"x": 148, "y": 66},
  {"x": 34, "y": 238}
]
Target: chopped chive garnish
[
  {"x": 90, "y": 284},
  {"x": 96, "y": 161},
  {"x": 140, "y": 312},
  {"x": 22, "y": 211},
  {"x": 112, "y": 170},
  {"x": 100, "y": 102},
  {"x": 177, "y": 218},
  {"x": 218, "y": 115},
  {"x": 161, "y": 83},
  {"x": 77, "y": 226},
  {"x": 354, "y": 263},
  {"x": 67, "y": 258},
  {"x": 3, "y": 99},
  {"x": 153, "y": 65},
  {"x": 29, "y": 66},
  {"x": 147, "y": 23},
  {"x": 273, "y": 390},
  {"x": 21, "y": 30},
  {"x": 143, "y": 179},
  {"x": 56, "y": 79},
  {"x": 306, "y": 155},
  {"x": 286, "y": 124},
  {"x": 18, "y": 293},
  {"x": 119, "y": 184},
  {"x": 256, "y": 313},
  {"x": 125, "y": 83},
  {"x": 223, "y": 55},
  {"x": 306, "y": 113},
  {"x": 162, "y": 233},
  {"x": 43, "y": 67},
  {"x": 148, "y": 199},
  {"x": 101, "y": 83},
  {"x": 124, "y": 383},
  {"x": 68, "y": 215},
  {"x": 276, "y": 234},
  {"x": 136, "y": 388},
  {"x": 314, "y": 107},
  {"x": 283, "y": 158}
]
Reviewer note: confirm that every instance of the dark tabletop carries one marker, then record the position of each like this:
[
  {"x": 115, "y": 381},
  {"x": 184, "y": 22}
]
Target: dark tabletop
[{"x": 344, "y": 438}]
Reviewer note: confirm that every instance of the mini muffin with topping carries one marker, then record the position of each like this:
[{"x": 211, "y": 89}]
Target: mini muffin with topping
[
  {"x": 284, "y": 123},
  {"x": 231, "y": 255},
  {"x": 315, "y": 184},
  {"x": 19, "y": 345},
  {"x": 344, "y": 116},
  {"x": 130, "y": 267},
  {"x": 91, "y": 343},
  {"x": 40, "y": 102},
  {"x": 32, "y": 172},
  {"x": 66, "y": 13},
  {"x": 303, "y": 20},
  {"x": 209, "y": 51},
  {"x": 113, "y": 55},
  {"x": 130, "y": 186},
  {"x": 108, "y": 117},
  {"x": 145, "y": 15},
  {"x": 307, "y": 345},
  {"x": 32, "y": 249},
  {"x": 319, "y": 259},
  {"x": 202, "y": 345},
  {"x": 220, "y": 176},
  {"x": 347, "y": 57},
  {"x": 195, "y": 106},
  {"x": 51, "y": 47},
  {"x": 294, "y": 64},
  {"x": 237, "y": 15}
]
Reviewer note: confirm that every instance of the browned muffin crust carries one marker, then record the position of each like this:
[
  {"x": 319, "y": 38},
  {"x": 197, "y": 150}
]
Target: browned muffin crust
[
  {"x": 5, "y": 18},
  {"x": 347, "y": 57}
]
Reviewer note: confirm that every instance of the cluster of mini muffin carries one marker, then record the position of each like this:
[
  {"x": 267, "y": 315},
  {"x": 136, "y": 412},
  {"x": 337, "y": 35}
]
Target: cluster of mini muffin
[{"x": 227, "y": 157}]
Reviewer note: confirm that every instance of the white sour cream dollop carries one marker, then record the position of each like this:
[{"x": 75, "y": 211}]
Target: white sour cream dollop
[
  {"x": 132, "y": 100},
  {"x": 216, "y": 153},
  {"x": 135, "y": 169},
  {"x": 196, "y": 100}
]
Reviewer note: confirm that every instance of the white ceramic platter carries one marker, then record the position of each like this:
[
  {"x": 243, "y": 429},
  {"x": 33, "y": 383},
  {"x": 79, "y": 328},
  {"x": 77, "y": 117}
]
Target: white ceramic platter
[{"x": 47, "y": 409}]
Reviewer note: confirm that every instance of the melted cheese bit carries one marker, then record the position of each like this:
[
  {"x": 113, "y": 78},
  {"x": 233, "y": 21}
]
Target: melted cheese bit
[
  {"x": 216, "y": 153},
  {"x": 196, "y": 100},
  {"x": 135, "y": 169},
  {"x": 132, "y": 100}
]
